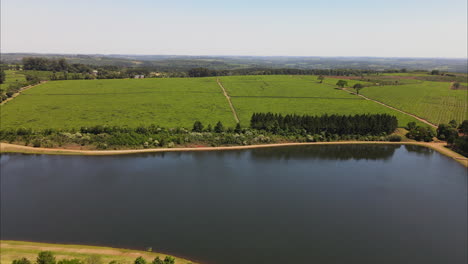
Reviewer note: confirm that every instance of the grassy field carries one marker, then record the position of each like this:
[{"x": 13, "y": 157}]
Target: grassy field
[
  {"x": 11, "y": 250},
  {"x": 130, "y": 102},
  {"x": 434, "y": 101},
  {"x": 297, "y": 94},
  {"x": 12, "y": 77},
  {"x": 180, "y": 101}
]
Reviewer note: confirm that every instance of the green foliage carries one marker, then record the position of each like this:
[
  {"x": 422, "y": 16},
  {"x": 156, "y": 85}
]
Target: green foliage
[
  {"x": 394, "y": 138},
  {"x": 411, "y": 125},
  {"x": 169, "y": 260},
  {"x": 321, "y": 78},
  {"x": 21, "y": 261},
  {"x": 157, "y": 260},
  {"x": 197, "y": 126},
  {"x": 2, "y": 76},
  {"x": 342, "y": 83},
  {"x": 46, "y": 257},
  {"x": 333, "y": 124},
  {"x": 447, "y": 132},
  {"x": 140, "y": 260},
  {"x": 464, "y": 127},
  {"x": 219, "y": 128},
  {"x": 421, "y": 133}
]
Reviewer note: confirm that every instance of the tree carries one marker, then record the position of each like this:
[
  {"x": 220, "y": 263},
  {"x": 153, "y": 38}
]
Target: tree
[
  {"x": 219, "y": 128},
  {"x": 453, "y": 123},
  {"x": 45, "y": 257},
  {"x": 2, "y": 76},
  {"x": 140, "y": 260},
  {"x": 238, "y": 128},
  {"x": 447, "y": 132},
  {"x": 358, "y": 87},
  {"x": 464, "y": 127},
  {"x": 456, "y": 85},
  {"x": 435, "y": 72},
  {"x": 411, "y": 125},
  {"x": 342, "y": 83},
  {"x": 169, "y": 260},
  {"x": 320, "y": 78},
  {"x": 21, "y": 261},
  {"x": 209, "y": 128},
  {"x": 197, "y": 126},
  {"x": 157, "y": 260}
]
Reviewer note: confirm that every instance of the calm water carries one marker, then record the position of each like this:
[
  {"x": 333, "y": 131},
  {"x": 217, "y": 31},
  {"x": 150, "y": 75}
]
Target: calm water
[{"x": 308, "y": 204}]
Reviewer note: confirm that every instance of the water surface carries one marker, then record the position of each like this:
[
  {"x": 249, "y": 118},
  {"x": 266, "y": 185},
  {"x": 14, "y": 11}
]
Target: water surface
[{"x": 301, "y": 204}]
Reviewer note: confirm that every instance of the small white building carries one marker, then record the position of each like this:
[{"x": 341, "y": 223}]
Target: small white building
[
  {"x": 139, "y": 77},
  {"x": 94, "y": 72}
]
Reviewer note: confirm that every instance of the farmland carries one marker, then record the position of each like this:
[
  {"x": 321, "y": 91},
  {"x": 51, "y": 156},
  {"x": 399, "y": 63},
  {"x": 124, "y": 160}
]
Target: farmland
[
  {"x": 434, "y": 101},
  {"x": 72, "y": 104},
  {"x": 178, "y": 101}
]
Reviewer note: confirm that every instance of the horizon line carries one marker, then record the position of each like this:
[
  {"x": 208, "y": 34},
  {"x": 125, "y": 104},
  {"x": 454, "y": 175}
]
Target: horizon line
[{"x": 220, "y": 55}]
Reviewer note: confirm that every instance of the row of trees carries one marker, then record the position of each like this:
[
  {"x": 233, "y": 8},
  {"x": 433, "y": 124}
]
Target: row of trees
[
  {"x": 205, "y": 72},
  {"x": 365, "y": 124},
  {"x": 57, "y": 65},
  {"x": 47, "y": 257}
]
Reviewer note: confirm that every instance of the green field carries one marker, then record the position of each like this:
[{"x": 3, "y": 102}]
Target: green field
[
  {"x": 12, "y": 77},
  {"x": 178, "y": 102},
  {"x": 434, "y": 101},
  {"x": 129, "y": 102}
]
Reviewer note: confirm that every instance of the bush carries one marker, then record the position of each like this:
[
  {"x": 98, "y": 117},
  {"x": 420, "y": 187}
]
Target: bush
[
  {"x": 394, "y": 138},
  {"x": 45, "y": 257},
  {"x": 21, "y": 261}
]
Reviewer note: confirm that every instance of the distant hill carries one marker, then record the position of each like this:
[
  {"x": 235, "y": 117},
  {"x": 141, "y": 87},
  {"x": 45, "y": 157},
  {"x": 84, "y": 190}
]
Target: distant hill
[{"x": 183, "y": 63}]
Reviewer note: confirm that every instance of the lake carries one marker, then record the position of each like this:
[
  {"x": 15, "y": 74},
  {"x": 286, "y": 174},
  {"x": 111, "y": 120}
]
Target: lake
[{"x": 302, "y": 204}]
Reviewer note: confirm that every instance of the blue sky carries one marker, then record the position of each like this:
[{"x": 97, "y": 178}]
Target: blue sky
[{"x": 412, "y": 28}]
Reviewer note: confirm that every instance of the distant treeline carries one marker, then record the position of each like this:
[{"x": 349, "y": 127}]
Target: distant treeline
[
  {"x": 205, "y": 72},
  {"x": 366, "y": 124},
  {"x": 62, "y": 70}
]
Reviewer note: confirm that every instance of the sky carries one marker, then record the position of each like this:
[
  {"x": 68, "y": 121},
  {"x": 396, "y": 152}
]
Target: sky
[{"x": 375, "y": 28}]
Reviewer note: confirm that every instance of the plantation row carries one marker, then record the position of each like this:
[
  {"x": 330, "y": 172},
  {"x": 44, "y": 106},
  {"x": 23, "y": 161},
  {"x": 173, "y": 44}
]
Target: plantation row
[{"x": 367, "y": 124}]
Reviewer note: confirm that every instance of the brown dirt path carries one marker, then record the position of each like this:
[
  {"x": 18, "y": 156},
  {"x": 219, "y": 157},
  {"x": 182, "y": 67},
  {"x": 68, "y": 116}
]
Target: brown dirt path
[
  {"x": 393, "y": 108},
  {"x": 20, "y": 91},
  {"x": 234, "y": 113},
  {"x": 12, "y": 148}
]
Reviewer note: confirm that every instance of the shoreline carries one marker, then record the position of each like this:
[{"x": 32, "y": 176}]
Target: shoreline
[{"x": 12, "y": 148}]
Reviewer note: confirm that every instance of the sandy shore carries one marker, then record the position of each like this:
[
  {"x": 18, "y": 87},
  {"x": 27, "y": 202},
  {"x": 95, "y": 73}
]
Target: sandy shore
[{"x": 12, "y": 148}]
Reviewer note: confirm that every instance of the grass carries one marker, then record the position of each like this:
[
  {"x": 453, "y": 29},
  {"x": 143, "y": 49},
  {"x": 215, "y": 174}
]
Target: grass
[
  {"x": 12, "y": 77},
  {"x": 179, "y": 102},
  {"x": 129, "y": 102},
  {"x": 434, "y": 101},
  {"x": 299, "y": 95},
  {"x": 11, "y": 250}
]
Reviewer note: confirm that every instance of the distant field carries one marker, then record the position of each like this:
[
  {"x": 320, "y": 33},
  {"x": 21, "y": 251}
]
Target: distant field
[
  {"x": 179, "y": 101},
  {"x": 299, "y": 95},
  {"x": 434, "y": 101},
  {"x": 12, "y": 77},
  {"x": 72, "y": 104}
]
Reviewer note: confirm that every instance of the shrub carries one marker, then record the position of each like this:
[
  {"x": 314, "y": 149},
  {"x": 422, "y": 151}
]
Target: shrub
[
  {"x": 21, "y": 261},
  {"x": 394, "y": 138},
  {"x": 45, "y": 257}
]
